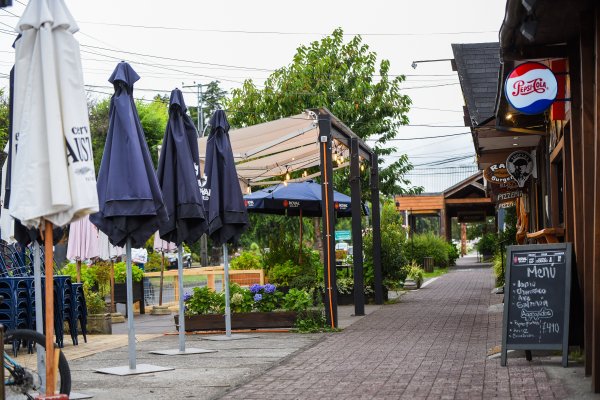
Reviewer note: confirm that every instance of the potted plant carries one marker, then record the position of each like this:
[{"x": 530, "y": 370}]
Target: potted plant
[
  {"x": 121, "y": 286},
  {"x": 414, "y": 276},
  {"x": 260, "y": 306},
  {"x": 98, "y": 320}
]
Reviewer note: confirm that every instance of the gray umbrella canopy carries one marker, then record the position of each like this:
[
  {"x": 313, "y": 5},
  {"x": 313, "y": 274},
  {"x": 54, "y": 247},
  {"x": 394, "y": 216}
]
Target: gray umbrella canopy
[
  {"x": 177, "y": 176},
  {"x": 227, "y": 215},
  {"x": 131, "y": 203}
]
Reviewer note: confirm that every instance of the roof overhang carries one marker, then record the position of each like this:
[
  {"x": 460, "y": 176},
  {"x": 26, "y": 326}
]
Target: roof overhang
[{"x": 264, "y": 152}]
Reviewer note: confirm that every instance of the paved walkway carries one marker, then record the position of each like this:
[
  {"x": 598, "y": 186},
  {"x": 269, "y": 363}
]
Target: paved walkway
[{"x": 433, "y": 344}]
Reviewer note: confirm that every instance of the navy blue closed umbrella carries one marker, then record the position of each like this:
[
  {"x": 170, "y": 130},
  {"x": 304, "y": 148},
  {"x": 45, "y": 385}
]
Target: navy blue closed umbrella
[
  {"x": 178, "y": 168},
  {"x": 178, "y": 177},
  {"x": 131, "y": 205},
  {"x": 227, "y": 215}
]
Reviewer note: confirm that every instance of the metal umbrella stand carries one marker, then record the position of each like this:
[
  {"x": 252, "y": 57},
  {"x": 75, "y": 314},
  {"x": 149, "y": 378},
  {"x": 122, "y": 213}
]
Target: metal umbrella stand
[
  {"x": 178, "y": 168},
  {"x": 131, "y": 204},
  {"x": 227, "y": 215}
]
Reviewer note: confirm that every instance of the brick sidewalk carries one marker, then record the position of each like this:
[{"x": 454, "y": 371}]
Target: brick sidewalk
[{"x": 431, "y": 345}]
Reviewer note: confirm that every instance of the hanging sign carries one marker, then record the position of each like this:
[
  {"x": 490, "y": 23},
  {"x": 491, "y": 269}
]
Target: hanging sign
[
  {"x": 531, "y": 88},
  {"x": 497, "y": 174},
  {"x": 520, "y": 166}
]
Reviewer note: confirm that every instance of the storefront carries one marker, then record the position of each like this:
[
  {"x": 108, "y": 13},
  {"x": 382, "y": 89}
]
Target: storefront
[{"x": 547, "y": 107}]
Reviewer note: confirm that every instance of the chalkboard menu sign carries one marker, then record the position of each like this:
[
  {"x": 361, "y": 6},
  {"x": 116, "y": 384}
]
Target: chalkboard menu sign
[{"x": 536, "y": 302}]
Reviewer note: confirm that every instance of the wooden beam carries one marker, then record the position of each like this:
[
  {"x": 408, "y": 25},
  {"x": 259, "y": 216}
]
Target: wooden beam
[
  {"x": 533, "y": 52},
  {"x": 586, "y": 49},
  {"x": 596, "y": 230},
  {"x": 475, "y": 200},
  {"x": 493, "y": 157}
]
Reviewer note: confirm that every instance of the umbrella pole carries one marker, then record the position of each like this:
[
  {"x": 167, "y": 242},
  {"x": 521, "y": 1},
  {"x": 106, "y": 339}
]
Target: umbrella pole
[
  {"x": 300, "y": 248},
  {"x": 113, "y": 309},
  {"x": 78, "y": 263},
  {"x": 50, "y": 369},
  {"x": 226, "y": 283},
  {"x": 39, "y": 316},
  {"x": 130, "y": 324},
  {"x": 162, "y": 274},
  {"x": 181, "y": 296}
]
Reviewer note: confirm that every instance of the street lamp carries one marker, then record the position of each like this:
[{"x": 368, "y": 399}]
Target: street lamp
[{"x": 414, "y": 63}]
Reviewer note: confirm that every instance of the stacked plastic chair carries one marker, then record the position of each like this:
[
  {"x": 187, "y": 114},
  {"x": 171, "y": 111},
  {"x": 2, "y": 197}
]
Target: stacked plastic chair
[
  {"x": 78, "y": 313},
  {"x": 15, "y": 308}
]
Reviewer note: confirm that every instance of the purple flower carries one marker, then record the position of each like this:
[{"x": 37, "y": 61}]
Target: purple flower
[
  {"x": 187, "y": 296},
  {"x": 257, "y": 297},
  {"x": 269, "y": 288},
  {"x": 255, "y": 288}
]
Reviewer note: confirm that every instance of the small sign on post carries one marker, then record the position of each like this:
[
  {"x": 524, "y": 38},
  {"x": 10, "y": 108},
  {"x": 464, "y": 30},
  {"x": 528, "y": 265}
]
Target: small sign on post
[
  {"x": 537, "y": 294},
  {"x": 342, "y": 235}
]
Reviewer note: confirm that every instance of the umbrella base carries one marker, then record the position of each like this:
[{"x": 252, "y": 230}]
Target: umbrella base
[
  {"x": 228, "y": 337},
  {"x": 160, "y": 310},
  {"x": 140, "y": 369},
  {"x": 177, "y": 352}
]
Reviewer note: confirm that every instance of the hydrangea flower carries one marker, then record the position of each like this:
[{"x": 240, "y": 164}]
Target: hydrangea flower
[
  {"x": 257, "y": 297},
  {"x": 269, "y": 288},
  {"x": 237, "y": 298},
  {"x": 255, "y": 288},
  {"x": 187, "y": 296}
]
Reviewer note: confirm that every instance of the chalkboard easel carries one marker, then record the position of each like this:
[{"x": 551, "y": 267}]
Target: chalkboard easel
[{"x": 537, "y": 293}]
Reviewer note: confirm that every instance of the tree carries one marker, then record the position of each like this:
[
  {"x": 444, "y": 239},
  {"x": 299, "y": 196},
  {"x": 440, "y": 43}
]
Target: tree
[
  {"x": 3, "y": 119},
  {"x": 212, "y": 98},
  {"x": 153, "y": 118},
  {"x": 344, "y": 78}
]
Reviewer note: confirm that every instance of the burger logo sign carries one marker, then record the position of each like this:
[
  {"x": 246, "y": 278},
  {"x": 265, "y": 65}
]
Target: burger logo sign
[
  {"x": 531, "y": 88},
  {"x": 520, "y": 166}
]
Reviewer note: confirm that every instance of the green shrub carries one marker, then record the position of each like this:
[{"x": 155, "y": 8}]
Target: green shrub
[
  {"x": 428, "y": 245},
  {"x": 453, "y": 253},
  {"x": 204, "y": 301},
  {"x": 498, "y": 269},
  {"x": 94, "y": 301},
  {"x": 154, "y": 262},
  {"x": 303, "y": 282},
  {"x": 488, "y": 244},
  {"x": 121, "y": 272},
  {"x": 297, "y": 300},
  {"x": 415, "y": 272},
  {"x": 246, "y": 260},
  {"x": 241, "y": 299},
  {"x": 283, "y": 274}
]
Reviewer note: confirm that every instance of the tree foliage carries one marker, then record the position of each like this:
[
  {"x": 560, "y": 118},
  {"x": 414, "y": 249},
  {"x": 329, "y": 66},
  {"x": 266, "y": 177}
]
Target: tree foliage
[{"x": 344, "y": 78}]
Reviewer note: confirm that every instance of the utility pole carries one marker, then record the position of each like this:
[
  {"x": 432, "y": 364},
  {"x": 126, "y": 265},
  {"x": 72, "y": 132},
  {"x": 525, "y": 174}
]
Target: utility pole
[{"x": 200, "y": 111}]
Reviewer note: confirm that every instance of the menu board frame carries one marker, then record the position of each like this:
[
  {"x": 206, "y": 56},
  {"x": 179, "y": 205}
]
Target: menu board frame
[{"x": 509, "y": 301}]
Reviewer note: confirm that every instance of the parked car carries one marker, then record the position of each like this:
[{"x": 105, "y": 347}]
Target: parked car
[{"x": 171, "y": 259}]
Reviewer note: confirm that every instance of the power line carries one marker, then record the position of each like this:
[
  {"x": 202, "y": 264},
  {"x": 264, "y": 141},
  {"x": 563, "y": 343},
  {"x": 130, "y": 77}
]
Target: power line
[{"x": 424, "y": 137}]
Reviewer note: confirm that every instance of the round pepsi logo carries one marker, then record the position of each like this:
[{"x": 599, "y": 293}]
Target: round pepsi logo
[{"x": 531, "y": 88}]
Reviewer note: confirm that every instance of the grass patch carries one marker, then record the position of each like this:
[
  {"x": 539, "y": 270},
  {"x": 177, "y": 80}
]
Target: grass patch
[{"x": 436, "y": 272}]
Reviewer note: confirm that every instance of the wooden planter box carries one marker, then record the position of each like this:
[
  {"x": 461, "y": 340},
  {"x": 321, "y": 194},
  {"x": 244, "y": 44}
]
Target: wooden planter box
[{"x": 251, "y": 320}]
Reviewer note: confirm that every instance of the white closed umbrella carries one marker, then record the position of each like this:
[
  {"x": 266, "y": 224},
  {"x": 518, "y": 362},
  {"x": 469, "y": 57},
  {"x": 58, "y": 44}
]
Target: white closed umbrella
[
  {"x": 52, "y": 171},
  {"x": 7, "y": 222}
]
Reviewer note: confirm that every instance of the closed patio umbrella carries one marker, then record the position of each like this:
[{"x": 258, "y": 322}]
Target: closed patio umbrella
[
  {"x": 83, "y": 242},
  {"x": 52, "y": 170},
  {"x": 227, "y": 215},
  {"x": 178, "y": 167},
  {"x": 131, "y": 204}
]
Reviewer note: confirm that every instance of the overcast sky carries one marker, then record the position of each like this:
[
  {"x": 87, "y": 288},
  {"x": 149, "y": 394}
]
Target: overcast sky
[{"x": 174, "y": 43}]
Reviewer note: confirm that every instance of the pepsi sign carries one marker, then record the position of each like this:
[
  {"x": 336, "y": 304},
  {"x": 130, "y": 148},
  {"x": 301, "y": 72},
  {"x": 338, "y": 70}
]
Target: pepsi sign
[{"x": 531, "y": 88}]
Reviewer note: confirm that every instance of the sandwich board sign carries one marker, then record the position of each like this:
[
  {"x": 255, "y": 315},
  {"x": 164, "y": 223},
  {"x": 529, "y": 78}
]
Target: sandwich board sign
[{"x": 537, "y": 292}]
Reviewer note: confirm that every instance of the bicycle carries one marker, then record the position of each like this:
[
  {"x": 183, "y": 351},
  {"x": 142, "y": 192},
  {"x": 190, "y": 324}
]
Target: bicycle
[{"x": 21, "y": 378}]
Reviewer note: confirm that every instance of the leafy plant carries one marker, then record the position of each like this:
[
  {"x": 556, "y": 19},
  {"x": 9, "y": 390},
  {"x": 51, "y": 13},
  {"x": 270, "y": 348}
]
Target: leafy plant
[
  {"x": 241, "y": 299},
  {"x": 283, "y": 274},
  {"x": 415, "y": 272},
  {"x": 297, "y": 300},
  {"x": 497, "y": 263},
  {"x": 154, "y": 262},
  {"x": 345, "y": 285},
  {"x": 121, "y": 272},
  {"x": 94, "y": 301},
  {"x": 246, "y": 260},
  {"x": 266, "y": 298},
  {"x": 429, "y": 245},
  {"x": 311, "y": 321},
  {"x": 204, "y": 301},
  {"x": 487, "y": 244}
]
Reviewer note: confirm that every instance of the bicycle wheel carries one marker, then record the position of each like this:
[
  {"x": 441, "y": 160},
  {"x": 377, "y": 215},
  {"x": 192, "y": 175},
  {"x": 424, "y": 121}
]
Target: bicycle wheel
[{"x": 23, "y": 342}]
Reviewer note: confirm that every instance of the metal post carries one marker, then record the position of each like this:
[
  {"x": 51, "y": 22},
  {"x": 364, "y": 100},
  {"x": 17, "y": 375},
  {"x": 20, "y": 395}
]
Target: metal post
[
  {"x": 39, "y": 316},
  {"x": 49, "y": 291},
  {"x": 328, "y": 219},
  {"x": 357, "y": 258},
  {"x": 181, "y": 306},
  {"x": 376, "y": 229},
  {"x": 226, "y": 283},
  {"x": 130, "y": 324}
]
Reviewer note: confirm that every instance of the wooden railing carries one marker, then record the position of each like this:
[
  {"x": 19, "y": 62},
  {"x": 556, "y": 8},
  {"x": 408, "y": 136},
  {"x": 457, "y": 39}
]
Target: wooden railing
[{"x": 206, "y": 276}]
